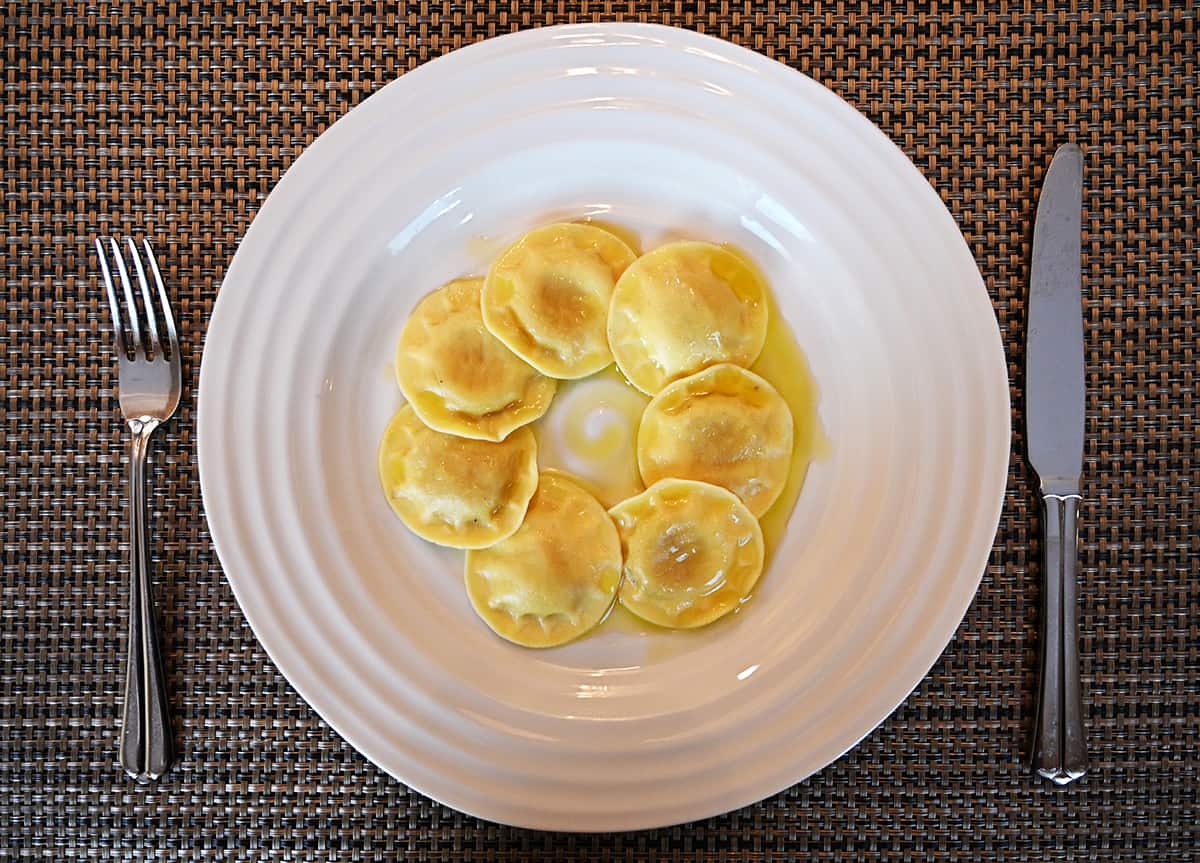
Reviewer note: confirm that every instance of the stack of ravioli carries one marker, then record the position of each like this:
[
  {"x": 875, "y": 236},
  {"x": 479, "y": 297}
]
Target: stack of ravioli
[{"x": 479, "y": 360}]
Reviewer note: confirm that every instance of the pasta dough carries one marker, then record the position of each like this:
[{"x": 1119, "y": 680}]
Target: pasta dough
[
  {"x": 724, "y": 425},
  {"x": 459, "y": 378},
  {"x": 692, "y": 552},
  {"x": 547, "y": 297},
  {"x": 454, "y": 491},
  {"x": 556, "y": 577},
  {"x": 683, "y": 307}
]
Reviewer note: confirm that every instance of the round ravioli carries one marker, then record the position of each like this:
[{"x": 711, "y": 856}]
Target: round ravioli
[
  {"x": 683, "y": 307},
  {"x": 724, "y": 426},
  {"x": 459, "y": 378},
  {"x": 547, "y": 297},
  {"x": 692, "y": 552},
  {"x": 556, "y": 577},
  {"x": 456, "y": 491}
]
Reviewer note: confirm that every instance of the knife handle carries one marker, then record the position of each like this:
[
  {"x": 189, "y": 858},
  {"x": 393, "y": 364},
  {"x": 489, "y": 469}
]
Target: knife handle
[{"x": 1060, "y": 749}]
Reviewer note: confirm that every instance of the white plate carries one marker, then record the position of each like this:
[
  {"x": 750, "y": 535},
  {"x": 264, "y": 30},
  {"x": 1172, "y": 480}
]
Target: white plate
[{"x": 675, "y": 134}]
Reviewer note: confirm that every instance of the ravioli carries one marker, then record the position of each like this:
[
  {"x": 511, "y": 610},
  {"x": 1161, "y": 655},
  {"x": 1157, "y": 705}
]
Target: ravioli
[
  {"x": 458, "y": 377},
  {"x": 547, "y": 296},
  {"x": 557, "y": 576},
  {"x": 692, "y": 552},
  {"x": 455, "y": 491},
  {"x": 725, "y": 426},
  {"x": 683, "y": 307}
]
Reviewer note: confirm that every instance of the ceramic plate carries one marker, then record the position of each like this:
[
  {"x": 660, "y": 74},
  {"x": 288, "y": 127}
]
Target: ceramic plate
[{"x": 671, "y": 134}]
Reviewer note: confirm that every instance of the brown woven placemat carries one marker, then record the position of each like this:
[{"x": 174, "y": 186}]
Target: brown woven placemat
[{"x": 179, "y": 119}]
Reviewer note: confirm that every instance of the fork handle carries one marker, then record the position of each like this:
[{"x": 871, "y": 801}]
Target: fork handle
[
  {"x": 1060, "y": 749},
  {"x": 147, "y": 746}
]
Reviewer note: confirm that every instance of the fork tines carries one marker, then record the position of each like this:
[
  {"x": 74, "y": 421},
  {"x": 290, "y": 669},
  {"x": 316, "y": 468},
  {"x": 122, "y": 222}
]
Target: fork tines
[{"x": 108, "y": 249}]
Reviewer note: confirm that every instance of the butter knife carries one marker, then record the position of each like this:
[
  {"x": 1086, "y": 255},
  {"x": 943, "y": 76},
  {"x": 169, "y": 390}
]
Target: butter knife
[{"x": 1054, "y": 425}]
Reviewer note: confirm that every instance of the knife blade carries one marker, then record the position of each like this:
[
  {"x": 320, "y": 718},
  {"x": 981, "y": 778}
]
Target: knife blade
[{"x": 1055, "y": 398}]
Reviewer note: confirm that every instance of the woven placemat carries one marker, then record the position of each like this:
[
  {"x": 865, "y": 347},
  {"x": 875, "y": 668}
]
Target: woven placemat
[{"x": 179, "y": 120}]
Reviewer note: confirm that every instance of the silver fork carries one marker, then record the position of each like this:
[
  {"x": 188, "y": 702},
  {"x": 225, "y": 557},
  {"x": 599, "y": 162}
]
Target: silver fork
[{"x": 150, "y": 383}]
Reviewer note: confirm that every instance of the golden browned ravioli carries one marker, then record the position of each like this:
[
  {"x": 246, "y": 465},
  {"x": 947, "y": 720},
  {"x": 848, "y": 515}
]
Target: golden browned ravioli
[
  {"x": 683, "y": 307},
  {"x": 725, "y": 426},
  {"x": 556, "y": 577},
  {"x": 455, "y": 491},
  {"x": 458, "y": 377},
  {"x": 692, "y": 552},
  {"x": 547, "y": 296}
]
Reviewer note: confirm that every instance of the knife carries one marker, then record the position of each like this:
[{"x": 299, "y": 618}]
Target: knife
[{"x": 1054, "y": 425}]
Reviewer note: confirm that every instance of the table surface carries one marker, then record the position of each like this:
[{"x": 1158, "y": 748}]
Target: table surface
[{"x": 179, "y": 120}]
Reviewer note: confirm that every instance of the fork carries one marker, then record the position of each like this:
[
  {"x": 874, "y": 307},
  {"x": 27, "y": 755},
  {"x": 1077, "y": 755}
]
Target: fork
[{"x": 150, "y": 383}]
